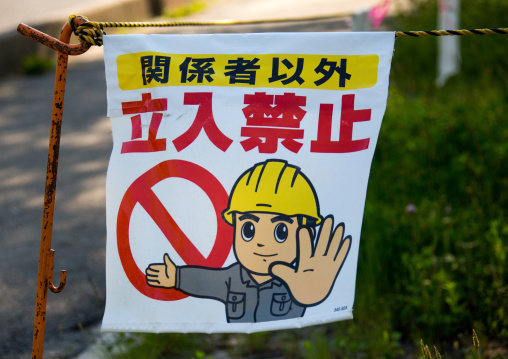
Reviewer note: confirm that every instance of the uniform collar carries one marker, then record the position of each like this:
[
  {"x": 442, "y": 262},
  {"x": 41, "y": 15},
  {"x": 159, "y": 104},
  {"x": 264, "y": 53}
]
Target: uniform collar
[{"x": 250, "y": 282}]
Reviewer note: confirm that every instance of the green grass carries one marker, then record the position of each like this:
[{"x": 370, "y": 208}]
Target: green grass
[
  {"x": 444, "y": 151},
  {"x": 35, "y": 65},
  {"x": 432, "y": 263}
]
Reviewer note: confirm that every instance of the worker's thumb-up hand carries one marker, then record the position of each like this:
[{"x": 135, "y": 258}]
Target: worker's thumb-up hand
[{"x": 161, "y": 274}]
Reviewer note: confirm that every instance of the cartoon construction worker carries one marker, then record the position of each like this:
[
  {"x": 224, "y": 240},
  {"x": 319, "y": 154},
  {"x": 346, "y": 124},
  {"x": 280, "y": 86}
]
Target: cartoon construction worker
[{"x": 281, "y": 268}]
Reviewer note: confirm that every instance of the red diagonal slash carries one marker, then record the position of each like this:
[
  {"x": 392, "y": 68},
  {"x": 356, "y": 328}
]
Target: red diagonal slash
[
  {"x": 185, "y": 248},
  {"x": 141, "y": 192}
]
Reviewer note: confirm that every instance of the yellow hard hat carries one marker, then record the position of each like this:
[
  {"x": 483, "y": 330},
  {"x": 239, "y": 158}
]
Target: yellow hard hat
[{"x": 273, "y": 186}]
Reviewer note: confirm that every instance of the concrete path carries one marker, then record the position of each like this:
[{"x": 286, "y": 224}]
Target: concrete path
[{"x": 36, "y": 13}]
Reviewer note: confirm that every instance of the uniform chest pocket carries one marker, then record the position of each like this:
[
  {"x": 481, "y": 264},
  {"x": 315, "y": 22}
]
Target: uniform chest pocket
[
  {"x": 281, "y": 304},
  {"x": 236, "y": 305}
]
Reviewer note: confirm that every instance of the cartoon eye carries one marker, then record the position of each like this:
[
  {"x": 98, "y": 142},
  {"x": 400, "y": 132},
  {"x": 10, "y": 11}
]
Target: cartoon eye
[
  {"x": 248, "y": 231},
  {"x": 281, "y": 232}
]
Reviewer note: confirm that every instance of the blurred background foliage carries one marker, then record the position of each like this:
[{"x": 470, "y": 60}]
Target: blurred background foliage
[
  {"x": 435, "y": 232},
  {"x": 432, "y": 262}
]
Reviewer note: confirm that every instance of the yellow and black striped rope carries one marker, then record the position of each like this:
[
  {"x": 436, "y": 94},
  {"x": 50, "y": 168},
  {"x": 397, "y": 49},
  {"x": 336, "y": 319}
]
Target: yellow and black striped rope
[
  {"x": 492, "y": 31},
  {"x": 92, "y": 31}
]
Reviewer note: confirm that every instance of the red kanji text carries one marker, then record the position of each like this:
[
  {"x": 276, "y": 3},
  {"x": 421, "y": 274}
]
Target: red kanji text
[
  {"x": 348, "y": 117},
  {"x": 137, "y": 107},
  {"x": 273, "y": 117},
  {"x": 204, "y": 120}
]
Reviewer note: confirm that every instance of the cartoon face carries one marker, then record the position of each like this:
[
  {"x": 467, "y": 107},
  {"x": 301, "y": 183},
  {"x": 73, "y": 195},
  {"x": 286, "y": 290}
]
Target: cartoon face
[{"x": 264, "y": 238}]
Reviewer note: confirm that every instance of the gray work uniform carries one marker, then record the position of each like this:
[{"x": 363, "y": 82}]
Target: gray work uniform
[{"x": 246, "y": 301}]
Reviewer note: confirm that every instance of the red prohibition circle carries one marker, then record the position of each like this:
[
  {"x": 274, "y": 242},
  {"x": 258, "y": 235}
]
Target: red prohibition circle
[{"x": 140, "y": 192}]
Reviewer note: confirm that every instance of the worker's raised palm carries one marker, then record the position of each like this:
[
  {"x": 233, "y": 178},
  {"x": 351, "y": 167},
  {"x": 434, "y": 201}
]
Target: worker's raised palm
[{"x": 313, "y": 279}]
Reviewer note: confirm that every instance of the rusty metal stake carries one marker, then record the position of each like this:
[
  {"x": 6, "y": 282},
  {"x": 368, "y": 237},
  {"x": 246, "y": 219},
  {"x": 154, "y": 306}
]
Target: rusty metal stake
[{"x": 46, "y": 254}]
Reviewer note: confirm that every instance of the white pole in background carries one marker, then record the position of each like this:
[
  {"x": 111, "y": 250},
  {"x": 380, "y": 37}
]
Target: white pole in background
[{"x": 448, "y": 63}]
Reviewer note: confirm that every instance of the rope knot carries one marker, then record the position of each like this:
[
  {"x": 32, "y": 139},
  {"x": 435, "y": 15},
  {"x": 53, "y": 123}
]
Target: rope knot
[{"x": 88, "y": 31}]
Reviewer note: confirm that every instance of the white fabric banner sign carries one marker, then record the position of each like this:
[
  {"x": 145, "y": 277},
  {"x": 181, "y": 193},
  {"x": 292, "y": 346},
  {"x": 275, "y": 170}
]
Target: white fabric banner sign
[{"x": 237, "y": 182}]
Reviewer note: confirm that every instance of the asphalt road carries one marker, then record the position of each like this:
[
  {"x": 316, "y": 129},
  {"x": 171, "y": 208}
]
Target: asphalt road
[{"x": 79, "y": 232}]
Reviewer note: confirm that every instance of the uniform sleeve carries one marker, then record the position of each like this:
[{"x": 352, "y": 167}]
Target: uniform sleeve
[{"x": 212, "y": 283}]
